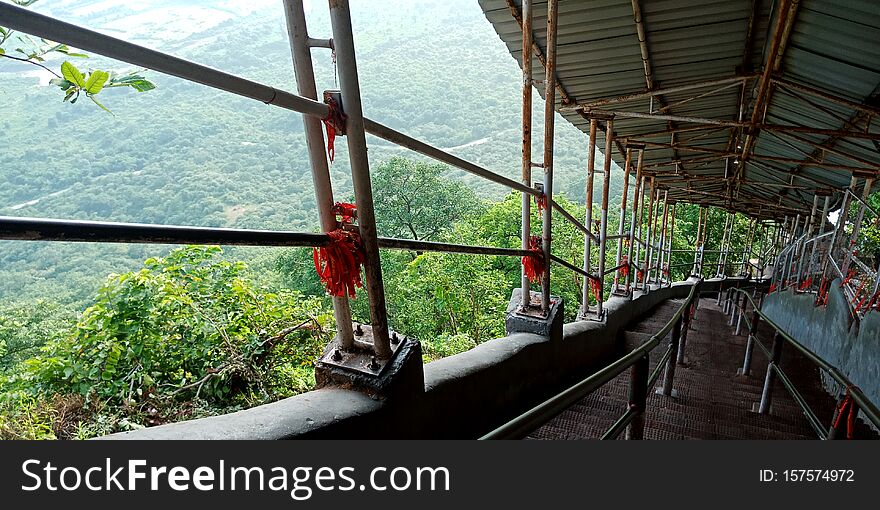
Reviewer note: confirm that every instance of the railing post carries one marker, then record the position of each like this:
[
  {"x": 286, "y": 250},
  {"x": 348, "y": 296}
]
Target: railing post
[
  {"x": 750, "y": 344},
  {"x": 662, "y": 238},
  {"x": 588, "y": 219},
  {"x": 298, "y": 35},
  {"x": 669, "y": 374},
  {"x": 767, "y": 392},
  {"x": 549, "y": 126},
  {"x": 638, "y": 398},
  {"x": 343, "y": 41},
  {"x": 603, "y": 232},
  {"x": 526, "y": 142},
  {"x": 682, "y": 342},
  {"x": 739, "y": 317},
  {"x": 733, "y": 306}
]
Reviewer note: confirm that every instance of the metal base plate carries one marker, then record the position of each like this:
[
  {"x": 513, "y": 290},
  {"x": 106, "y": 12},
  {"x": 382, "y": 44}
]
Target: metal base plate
[
  {"x": 674, "y": 394},
  {"x": 361, "y": 358}
]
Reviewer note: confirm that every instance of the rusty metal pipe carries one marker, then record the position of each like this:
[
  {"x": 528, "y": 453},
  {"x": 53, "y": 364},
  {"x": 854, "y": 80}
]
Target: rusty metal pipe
[
  {"x": 526, "y": 141},
  {"x": 588, "y": 242},
  {"x": 632, "y": 224},
  {"x": 343, "y": 39},
  {"x": 298, "y": 35},
  {"x": 622, "y": 216},
  {"x": 549, "y": 125},
  {"x": 603, "y": 228}
]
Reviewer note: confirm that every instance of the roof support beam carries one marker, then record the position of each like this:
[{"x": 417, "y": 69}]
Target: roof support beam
[{"x": 659, "y": 92}]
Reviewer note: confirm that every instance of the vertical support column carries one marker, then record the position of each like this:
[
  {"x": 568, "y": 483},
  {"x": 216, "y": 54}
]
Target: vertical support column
[
  {"x": 588, "y": 219},
  {"x": 838, "y": 232},
  {"x": 669, "y": 244},
  {"x": 767, "y": 392},
  {"x": 603, "y": 227},
  {"x": 747, "y": 248},
  {"x": 549, "y": 125},
  {"x": 695, "y": 271},
  {"x": 638, "y": 398},
  {"x": 821, "y": 221},
  {"x": 808, "y": 234},
  {"x": 661, "y": 248},
  {"x": 857, "y": 225},
  {"x": 622, "y": 218},
  {"x": 656, "y": 239},
  {"x": 632, "y": 224},
  {"x": 669, "y": 374},
  {"x": 649, "y": 238},
  {"x": 343, "y": 40},
  {"x": 297, "y": 32},
  {"x": 642, "y": 243},
  {"x": 526, "y": 140}
]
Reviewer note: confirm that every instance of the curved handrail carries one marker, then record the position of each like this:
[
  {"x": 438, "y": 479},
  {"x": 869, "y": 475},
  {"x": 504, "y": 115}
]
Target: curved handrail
[
  {"x": 870, "y": 410},
  {"x": 525, "y": 423}
]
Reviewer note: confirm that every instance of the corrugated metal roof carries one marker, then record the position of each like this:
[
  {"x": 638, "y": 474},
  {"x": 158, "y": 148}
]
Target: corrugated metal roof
[{"x": 833, "y": 48}]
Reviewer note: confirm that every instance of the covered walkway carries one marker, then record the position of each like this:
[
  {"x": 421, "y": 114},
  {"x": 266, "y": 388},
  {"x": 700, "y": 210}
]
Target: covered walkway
[{"x": 714, "y": 401}]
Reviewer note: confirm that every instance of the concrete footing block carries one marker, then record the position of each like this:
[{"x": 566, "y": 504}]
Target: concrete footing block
[
  {"x": 402, "y": 377},
  {"x": 533, "y": 320}
]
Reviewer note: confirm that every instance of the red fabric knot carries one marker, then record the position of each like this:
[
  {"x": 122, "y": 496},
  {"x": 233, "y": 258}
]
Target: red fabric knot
[
  {"x": 849, "y": 276},
  {"x": 772, "y": 288},
  {"x": 333, "y": 122},
  {"x": 534, "y": 263},
  {"x": 666, "y": 270},
  {"x": 822, "y": 297},
  {"x": 596, "y": 287},
  {"x": 806, "y": 283},
  {"x": 847, "y": 403},
  {"x": 541, "y": 203},
  {"x": 345, "y": 211},
  {"x": 624, "y": 267},
  {"x": 339, "y": 263}
]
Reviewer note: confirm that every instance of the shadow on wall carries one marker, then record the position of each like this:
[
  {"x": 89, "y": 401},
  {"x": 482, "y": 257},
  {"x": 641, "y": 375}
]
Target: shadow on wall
[{"x": 831, "y": 332}]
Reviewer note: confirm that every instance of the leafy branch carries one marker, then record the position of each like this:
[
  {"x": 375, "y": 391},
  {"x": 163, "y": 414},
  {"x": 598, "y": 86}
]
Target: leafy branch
[{"x": 71, "y": 81}]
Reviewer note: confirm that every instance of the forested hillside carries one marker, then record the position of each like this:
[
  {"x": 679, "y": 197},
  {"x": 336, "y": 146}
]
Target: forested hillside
[{"x": 187, "y": 154}]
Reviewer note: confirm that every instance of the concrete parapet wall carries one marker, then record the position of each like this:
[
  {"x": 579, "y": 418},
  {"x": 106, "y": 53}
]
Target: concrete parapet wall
[
  {"x": 832, "y": 333},
  {"x": 466, "y": 395}
]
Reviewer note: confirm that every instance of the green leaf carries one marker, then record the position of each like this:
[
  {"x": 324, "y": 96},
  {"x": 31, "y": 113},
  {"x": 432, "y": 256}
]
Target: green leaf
[
  {"x": 2, "y": 51},
  {"x": 72, "y": 74},
  {"x": 64, "y": 84},
  {"x": 99, "y": 104},
  {"x": 96, "y": 81}
]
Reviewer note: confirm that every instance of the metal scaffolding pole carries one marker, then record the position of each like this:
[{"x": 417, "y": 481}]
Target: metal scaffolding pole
[
  {"x": 297, "y": 32},
  {"x": 808, "y": 234},
  {"x": 695, "y": 270},
  {"x": 839, "y": 228},
  {"x": 669, "y": 244},
  {"x": 588, "y": 220},
  {"x": 722, "y": 255},
  {"x": 343, "y": 41},
  {"x": 526, "y": 140},
  {"x": 662, "y": 244},
  {"x": 549, "y": 125},
  {"x": 603, "y": 232},
  {"x": 622, "y": 217},
  {"x": 822, "y": 220},
  {"x": 649, "y": 255},
  {"x": 857, "y": 225},
  {"x": 632, "y": 224}
]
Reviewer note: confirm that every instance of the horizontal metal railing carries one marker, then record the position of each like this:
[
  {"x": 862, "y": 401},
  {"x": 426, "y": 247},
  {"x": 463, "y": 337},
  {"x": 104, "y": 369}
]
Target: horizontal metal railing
[
  {"x": 40, "y": 229},
  {"x": 868, "y": 408},
  {"x": 525, "y": 423}
]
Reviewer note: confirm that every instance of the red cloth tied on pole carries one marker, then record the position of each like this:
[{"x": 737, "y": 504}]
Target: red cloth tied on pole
[
  {"x": 347, "y": 212},
  {"x": 806, "y": 283},
  {"x": 339, "y": 263},
  {"x": 849, "y": 276},
  {"x": 772, "y": 288},
  {"x": 541, "y": 203},
  {"x": 534, "y": 263},
  {"x": 596, "y": 287},
  {"x": 666, "y": 270},
  {"x": 333, "y": 122},
  {"x": 847, "y": 403},
  {"x": 822, "y": 298},
  {"x": 624, "y": 268}
]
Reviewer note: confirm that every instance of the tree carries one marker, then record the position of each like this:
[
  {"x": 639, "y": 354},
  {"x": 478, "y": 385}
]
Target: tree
[{"x": 414, "y": 201}]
